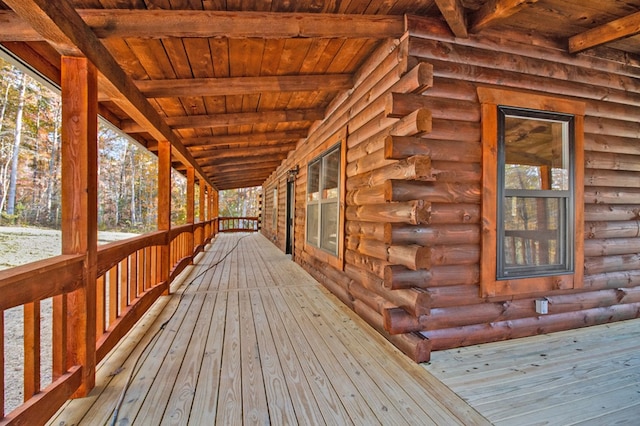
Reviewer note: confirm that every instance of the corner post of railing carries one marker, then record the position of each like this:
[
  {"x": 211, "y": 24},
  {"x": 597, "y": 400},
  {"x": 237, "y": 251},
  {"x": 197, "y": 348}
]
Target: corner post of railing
[
  {"x": 164, "y": 209},
  {"x": 77, "y": 322}
]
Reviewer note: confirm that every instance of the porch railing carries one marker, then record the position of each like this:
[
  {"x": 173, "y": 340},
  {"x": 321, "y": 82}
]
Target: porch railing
[
  {"x": 129, "y": 280},
  {"x": 238, "y": 224}
]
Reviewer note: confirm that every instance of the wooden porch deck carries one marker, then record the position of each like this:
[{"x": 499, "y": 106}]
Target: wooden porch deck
[
  {"x": 255, "y": 340},
  {"x": 589, "y": 376}
]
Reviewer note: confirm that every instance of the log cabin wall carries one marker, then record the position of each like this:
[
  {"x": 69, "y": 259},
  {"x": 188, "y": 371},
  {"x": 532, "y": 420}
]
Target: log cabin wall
[{"x": 410, "y": 255}]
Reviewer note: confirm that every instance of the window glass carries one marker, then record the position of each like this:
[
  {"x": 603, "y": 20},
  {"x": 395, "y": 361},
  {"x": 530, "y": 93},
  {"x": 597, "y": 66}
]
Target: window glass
[
  {"x": 312, "y": 224},
  {"x": 330, "y": 174},
  {"x": 313, "y": 182},
  {"x": 534, "y": 220},
  {"x": 329, "y": 235},
  {"x": 323, "y": 192}
]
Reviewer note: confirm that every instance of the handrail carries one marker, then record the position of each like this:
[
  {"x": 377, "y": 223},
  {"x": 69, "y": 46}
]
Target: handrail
[
  {"x": 111, "y": 254},
  {"x": 27, "y": 283}
]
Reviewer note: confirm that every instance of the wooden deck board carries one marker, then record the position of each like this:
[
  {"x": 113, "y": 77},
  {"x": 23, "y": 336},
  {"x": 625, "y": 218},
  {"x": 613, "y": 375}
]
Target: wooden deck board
[
  {"x": 255, "y": 340},
  {"x": 585, "y": 376}
]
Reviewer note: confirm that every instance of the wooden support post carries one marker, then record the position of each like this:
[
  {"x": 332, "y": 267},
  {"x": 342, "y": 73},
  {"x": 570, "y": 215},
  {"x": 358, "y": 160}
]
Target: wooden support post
[
  {"x": 80, "y": 210},
  {"x": 164, "y": 208},
  {"x": 191, "y": 191},
  {"x": 202, "y": 200}
]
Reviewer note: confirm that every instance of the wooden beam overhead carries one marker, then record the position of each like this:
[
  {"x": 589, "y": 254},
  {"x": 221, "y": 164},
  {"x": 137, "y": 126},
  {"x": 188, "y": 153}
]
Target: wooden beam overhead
[
  {"x": 212, "y": 141},
  {"x": 612, "y": 31},
  {"x": 454, "y": 14},
  {"x": 249, "y": 163},
  {"x": 232, "y": 119},
  {"x": 243, "y": 159},
  {"x": 244, "y": 85},
  {"x": 59, "y": 23},
  {"x": 157, "y": 24},
  {"x": 495, "y": 10},
  {"x": 245, "y": 152}
]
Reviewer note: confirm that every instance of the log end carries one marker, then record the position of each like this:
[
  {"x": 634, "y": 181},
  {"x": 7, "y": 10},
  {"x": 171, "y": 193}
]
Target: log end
[{"x": 421, "y": 213}]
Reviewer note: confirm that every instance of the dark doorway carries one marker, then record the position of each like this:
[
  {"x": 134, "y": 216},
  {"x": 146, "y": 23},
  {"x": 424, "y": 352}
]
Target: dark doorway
[{"x": 291, "y": 201}]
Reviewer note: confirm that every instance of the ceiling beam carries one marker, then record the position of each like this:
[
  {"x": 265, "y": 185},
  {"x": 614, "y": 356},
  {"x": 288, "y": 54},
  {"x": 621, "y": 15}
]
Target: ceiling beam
[
  {"x": 221, "y": 140},
  {"x": 244, "y": 152},
  {"x": 495, "y": 10},
  {"x": 62, "y": 27},
  {"x": 247, "y": 160},
  {"x": 267, "y": 167},
  {"x": 232, "y": 119},
  {"x": 248, "y": 163},
  {"x": 156, "y": 24},
  {"x": 612, "y": 31},
  {"x": 243, "y": 85},
  {"x": 241, "y": 144},
  {"x": 454, "y": 14}
]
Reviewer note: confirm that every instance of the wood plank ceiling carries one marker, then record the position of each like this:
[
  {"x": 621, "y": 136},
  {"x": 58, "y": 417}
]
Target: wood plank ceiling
[{"x": 235, "y": 85}]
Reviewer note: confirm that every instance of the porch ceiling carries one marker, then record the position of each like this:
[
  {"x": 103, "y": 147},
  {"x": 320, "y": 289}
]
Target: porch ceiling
[{"x": 237, "y": 85}]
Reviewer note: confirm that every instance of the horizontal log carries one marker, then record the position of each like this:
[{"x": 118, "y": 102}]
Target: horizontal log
[
  {"x": 611, "y": 178},
  {"x": 401, "y": 104},
  {"x": 373, "y": 195},
  {"x": 611, "y": 246},
  {"x": 399, "y": 321},
  {"x": 454, "y": 295},
  {"x": 436, "y": 192},
  {"x": 454, "y": 213},
  {"x": 611, "y": 127},
  {"x": 617, "y": 263},
  {"x": 503, "y": 330},
  {"x": 369, "y": 146},
  {"x": 607, "y": 195},
  {"x": 597, "y": 212},
  {"x": 615, "y": 279},
  {"x": 373, "y": 161},
  {"x": 612, "y": 161},
  {"x": 380, "y": 231},
  {"x": 442, "y": 318},
  {"x": 417, "y": 167},
  {"x": 415, "y": 301},
  {"x": 397, "y": 276},
  {"x": 430, "y": 235},
  {"x": 414, "y": 345},
  {"x": 398, "y": 148},
  {"x": 454, "y": 171},
  {"x": 612, "y": 144},
  {"x": 412, "y": 212},
  {"x": 371, "y": 299}
]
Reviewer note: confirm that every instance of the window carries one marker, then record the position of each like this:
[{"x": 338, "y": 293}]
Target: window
[
  {"x": 532, "y": 204},
  {"x": 535, "y": 193},
  {"x": 323, "y": 197}
]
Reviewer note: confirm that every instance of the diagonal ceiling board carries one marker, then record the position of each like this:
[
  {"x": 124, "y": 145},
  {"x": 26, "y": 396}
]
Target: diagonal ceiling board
[
  {"x": 612, "y": 31},
  {"x": 63, "y": 28}
]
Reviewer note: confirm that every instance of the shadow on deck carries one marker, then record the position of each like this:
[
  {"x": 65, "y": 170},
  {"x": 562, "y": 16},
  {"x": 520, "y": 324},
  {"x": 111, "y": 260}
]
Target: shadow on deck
[{"x": 250, "y": 337}]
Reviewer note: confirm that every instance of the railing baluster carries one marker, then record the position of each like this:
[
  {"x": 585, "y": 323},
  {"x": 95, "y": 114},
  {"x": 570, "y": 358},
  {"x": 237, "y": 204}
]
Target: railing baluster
[
  {"x": 124, "y": 284},
  {"x": 100, "y": 306},
  {"x": 113, "y": 294},
  {"x": 59, "y": 335},
  {"x": 140, "y": 271},
  {"x": 133, "y": 277},
  {"x": 31, "y": 349}
]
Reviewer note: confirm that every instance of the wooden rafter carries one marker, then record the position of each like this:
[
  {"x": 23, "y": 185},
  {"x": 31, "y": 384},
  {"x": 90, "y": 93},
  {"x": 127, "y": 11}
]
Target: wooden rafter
[
  {"x": 232, "y": 119},
  {"x": 155, "y": 24},
  {"x": 495, "y": 10},
  {"x": 63, "y": 28},
  {"x": 213, "y": 141},
  {"x": 243, "y": 85},
  {"x": 219, "y": 154},
  {"x": 612, "y": 31},
  {"x": 453, "y": 13},
  {"x": 249, "y": 160}
]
